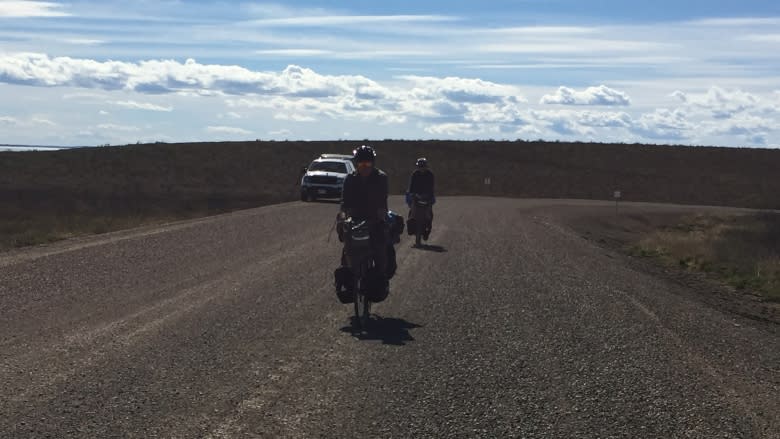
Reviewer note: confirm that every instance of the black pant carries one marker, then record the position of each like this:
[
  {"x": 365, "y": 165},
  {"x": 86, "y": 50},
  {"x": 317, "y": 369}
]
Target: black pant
[
  {"x": 427, "y": 211},
  {"x": 379, "y": 247}
]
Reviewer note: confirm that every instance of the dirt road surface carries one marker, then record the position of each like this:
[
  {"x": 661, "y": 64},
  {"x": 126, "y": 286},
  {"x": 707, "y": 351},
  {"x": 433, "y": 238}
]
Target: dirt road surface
[{"x": 509, "y": 324}]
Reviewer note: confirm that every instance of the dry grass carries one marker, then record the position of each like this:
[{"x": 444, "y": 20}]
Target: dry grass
[
  {"x": 743, "y": 250},
  {"x": 55, "y": 194},
  {"x": 43, "y": 229}
]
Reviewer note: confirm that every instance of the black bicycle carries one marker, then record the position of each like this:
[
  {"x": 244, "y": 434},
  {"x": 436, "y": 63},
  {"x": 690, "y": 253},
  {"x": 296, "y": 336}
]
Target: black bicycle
[
  {"x": 360, "y": 260},
  {"x": 422, "y": 213}
]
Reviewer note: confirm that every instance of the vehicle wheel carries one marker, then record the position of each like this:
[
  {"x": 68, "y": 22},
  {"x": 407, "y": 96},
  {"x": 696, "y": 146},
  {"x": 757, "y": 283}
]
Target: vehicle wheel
[{"x": 304, "y": 196}]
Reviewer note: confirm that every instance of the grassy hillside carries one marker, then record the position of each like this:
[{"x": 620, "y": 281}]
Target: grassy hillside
[
  {"x": 175, "y": 180},
  {"x": 248, "y": 173}
]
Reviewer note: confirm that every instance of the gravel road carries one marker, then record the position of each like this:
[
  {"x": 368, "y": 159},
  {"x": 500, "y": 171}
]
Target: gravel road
[{"x": 508, "y": 325}]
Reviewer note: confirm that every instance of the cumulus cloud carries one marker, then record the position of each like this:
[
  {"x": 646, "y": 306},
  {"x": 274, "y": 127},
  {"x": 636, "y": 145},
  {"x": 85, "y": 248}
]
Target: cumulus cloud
[
  {"x": 563, "y": 122},
  {"x": 506, "y": 113},
  {"x": 169, "y": 76},
  {"x": 744, "y": 125},
  {"x": 464, "y": 90},
  {"x": 227, "y": 130},
  {"x": 448, "y": 106},
  {"x": 721, "y": 103},
  {"x": 455, "y": 129},
  {"x": 26, "y": 9},
  {"x": 306, "y": 109},
  {"x": 604, "y": 119},
  {"x": 663, "y": 124},
  {"x": 453, "y": 103},
  {"x": 601, "y": 95}
]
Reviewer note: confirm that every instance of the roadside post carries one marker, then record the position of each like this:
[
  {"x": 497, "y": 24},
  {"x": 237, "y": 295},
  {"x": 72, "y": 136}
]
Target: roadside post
[
  {"x": 488, "y": 183},
  {"x": 617, "y": 195}
]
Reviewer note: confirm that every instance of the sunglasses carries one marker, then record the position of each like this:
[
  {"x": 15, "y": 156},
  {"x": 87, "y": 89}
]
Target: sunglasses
[{"x": 365, "y": 164}]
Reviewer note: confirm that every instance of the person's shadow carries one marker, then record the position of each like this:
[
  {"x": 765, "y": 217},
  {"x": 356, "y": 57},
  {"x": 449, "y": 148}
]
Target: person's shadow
[
  {"x": 387, "y": 330},
  {"x": 431, "y": 248}
]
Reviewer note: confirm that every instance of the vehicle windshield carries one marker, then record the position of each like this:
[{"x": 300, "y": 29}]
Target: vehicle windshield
[{"x": 337, "y": 167}]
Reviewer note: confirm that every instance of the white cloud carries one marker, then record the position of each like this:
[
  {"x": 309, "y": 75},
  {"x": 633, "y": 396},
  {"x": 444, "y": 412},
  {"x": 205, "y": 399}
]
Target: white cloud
[
  {"x": 568, "y": 45},
  {"x": 505, "y": 113},
  {"x": 451, "y": 104},
  {"x": 168, "y": 76},
  {"x": 8, "y": 120},
  {"x": 721, "y": 103},
  {"x": 526, "y": 31},
  {"x": 114, "y": 127},
  {"x": 604, "y": 119},
  {"x": 601, "y": 95},
  {"x": 294, "y": 52},
  {"x": 280, "y": 133},
  {"x": 736, "y": 22},
  {"x": 750, "y": 128},
  {"x": 23, "y": 9},
  {"x": 346, "y": 107},
  {"x": 346, "y": 20},
  {"x": 227, "y": 130},
  {"x": 762, "y": 38},
  {"x": 664, "y": 124},
  {"x": 84, "y": 41},
  {"x": 35, "y": 121},
  {"x": 294, "y": 117},
  {"x": 414, "y": 106},
  {"x": 229, "y": 115},
  {"x": 142, "y": 106},
  {"x": 563, "y": 123},
  {"x": 42, "y": 121},
  {"x": 455, "y": 129},
  {"x": 462, "y": 90}
]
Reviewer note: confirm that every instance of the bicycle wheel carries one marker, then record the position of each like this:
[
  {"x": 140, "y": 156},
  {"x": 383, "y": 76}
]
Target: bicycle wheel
[
  {"x": 362, "y": 310},
  {"x": 362, "y": 306},
  {"x": 358, "y": 301},
  {"x": 366, "y": 312}
]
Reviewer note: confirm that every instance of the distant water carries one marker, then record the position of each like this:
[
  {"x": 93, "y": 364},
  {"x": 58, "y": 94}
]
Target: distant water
[{"x": 33, "y": 147}]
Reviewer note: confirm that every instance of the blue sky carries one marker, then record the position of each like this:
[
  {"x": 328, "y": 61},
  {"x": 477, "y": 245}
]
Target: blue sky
[{"x": 89, "y": 72}]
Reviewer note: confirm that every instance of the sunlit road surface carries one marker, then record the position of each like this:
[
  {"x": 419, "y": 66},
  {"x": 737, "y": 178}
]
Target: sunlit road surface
[{"x": 508, "y": 325}]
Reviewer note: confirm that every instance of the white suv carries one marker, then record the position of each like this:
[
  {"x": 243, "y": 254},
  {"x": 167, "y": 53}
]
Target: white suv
[{"x": 324, "y": 177}]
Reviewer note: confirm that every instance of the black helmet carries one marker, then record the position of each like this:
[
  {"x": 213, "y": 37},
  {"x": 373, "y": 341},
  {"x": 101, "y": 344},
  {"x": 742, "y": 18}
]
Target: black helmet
[
  {"x": 422, "y": 162},
  {"x": 364, "y": 154}
]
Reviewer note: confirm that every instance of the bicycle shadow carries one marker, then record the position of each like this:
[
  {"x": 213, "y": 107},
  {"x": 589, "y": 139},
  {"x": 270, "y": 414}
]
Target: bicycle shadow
[
  {"x": 430, "y": 248},
  {"x": 389, "y": 331}
]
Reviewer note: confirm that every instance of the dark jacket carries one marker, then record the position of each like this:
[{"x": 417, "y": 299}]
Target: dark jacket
[
  {"x": 365, "y": 197},
  {"x": 421, "y": 182}
]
